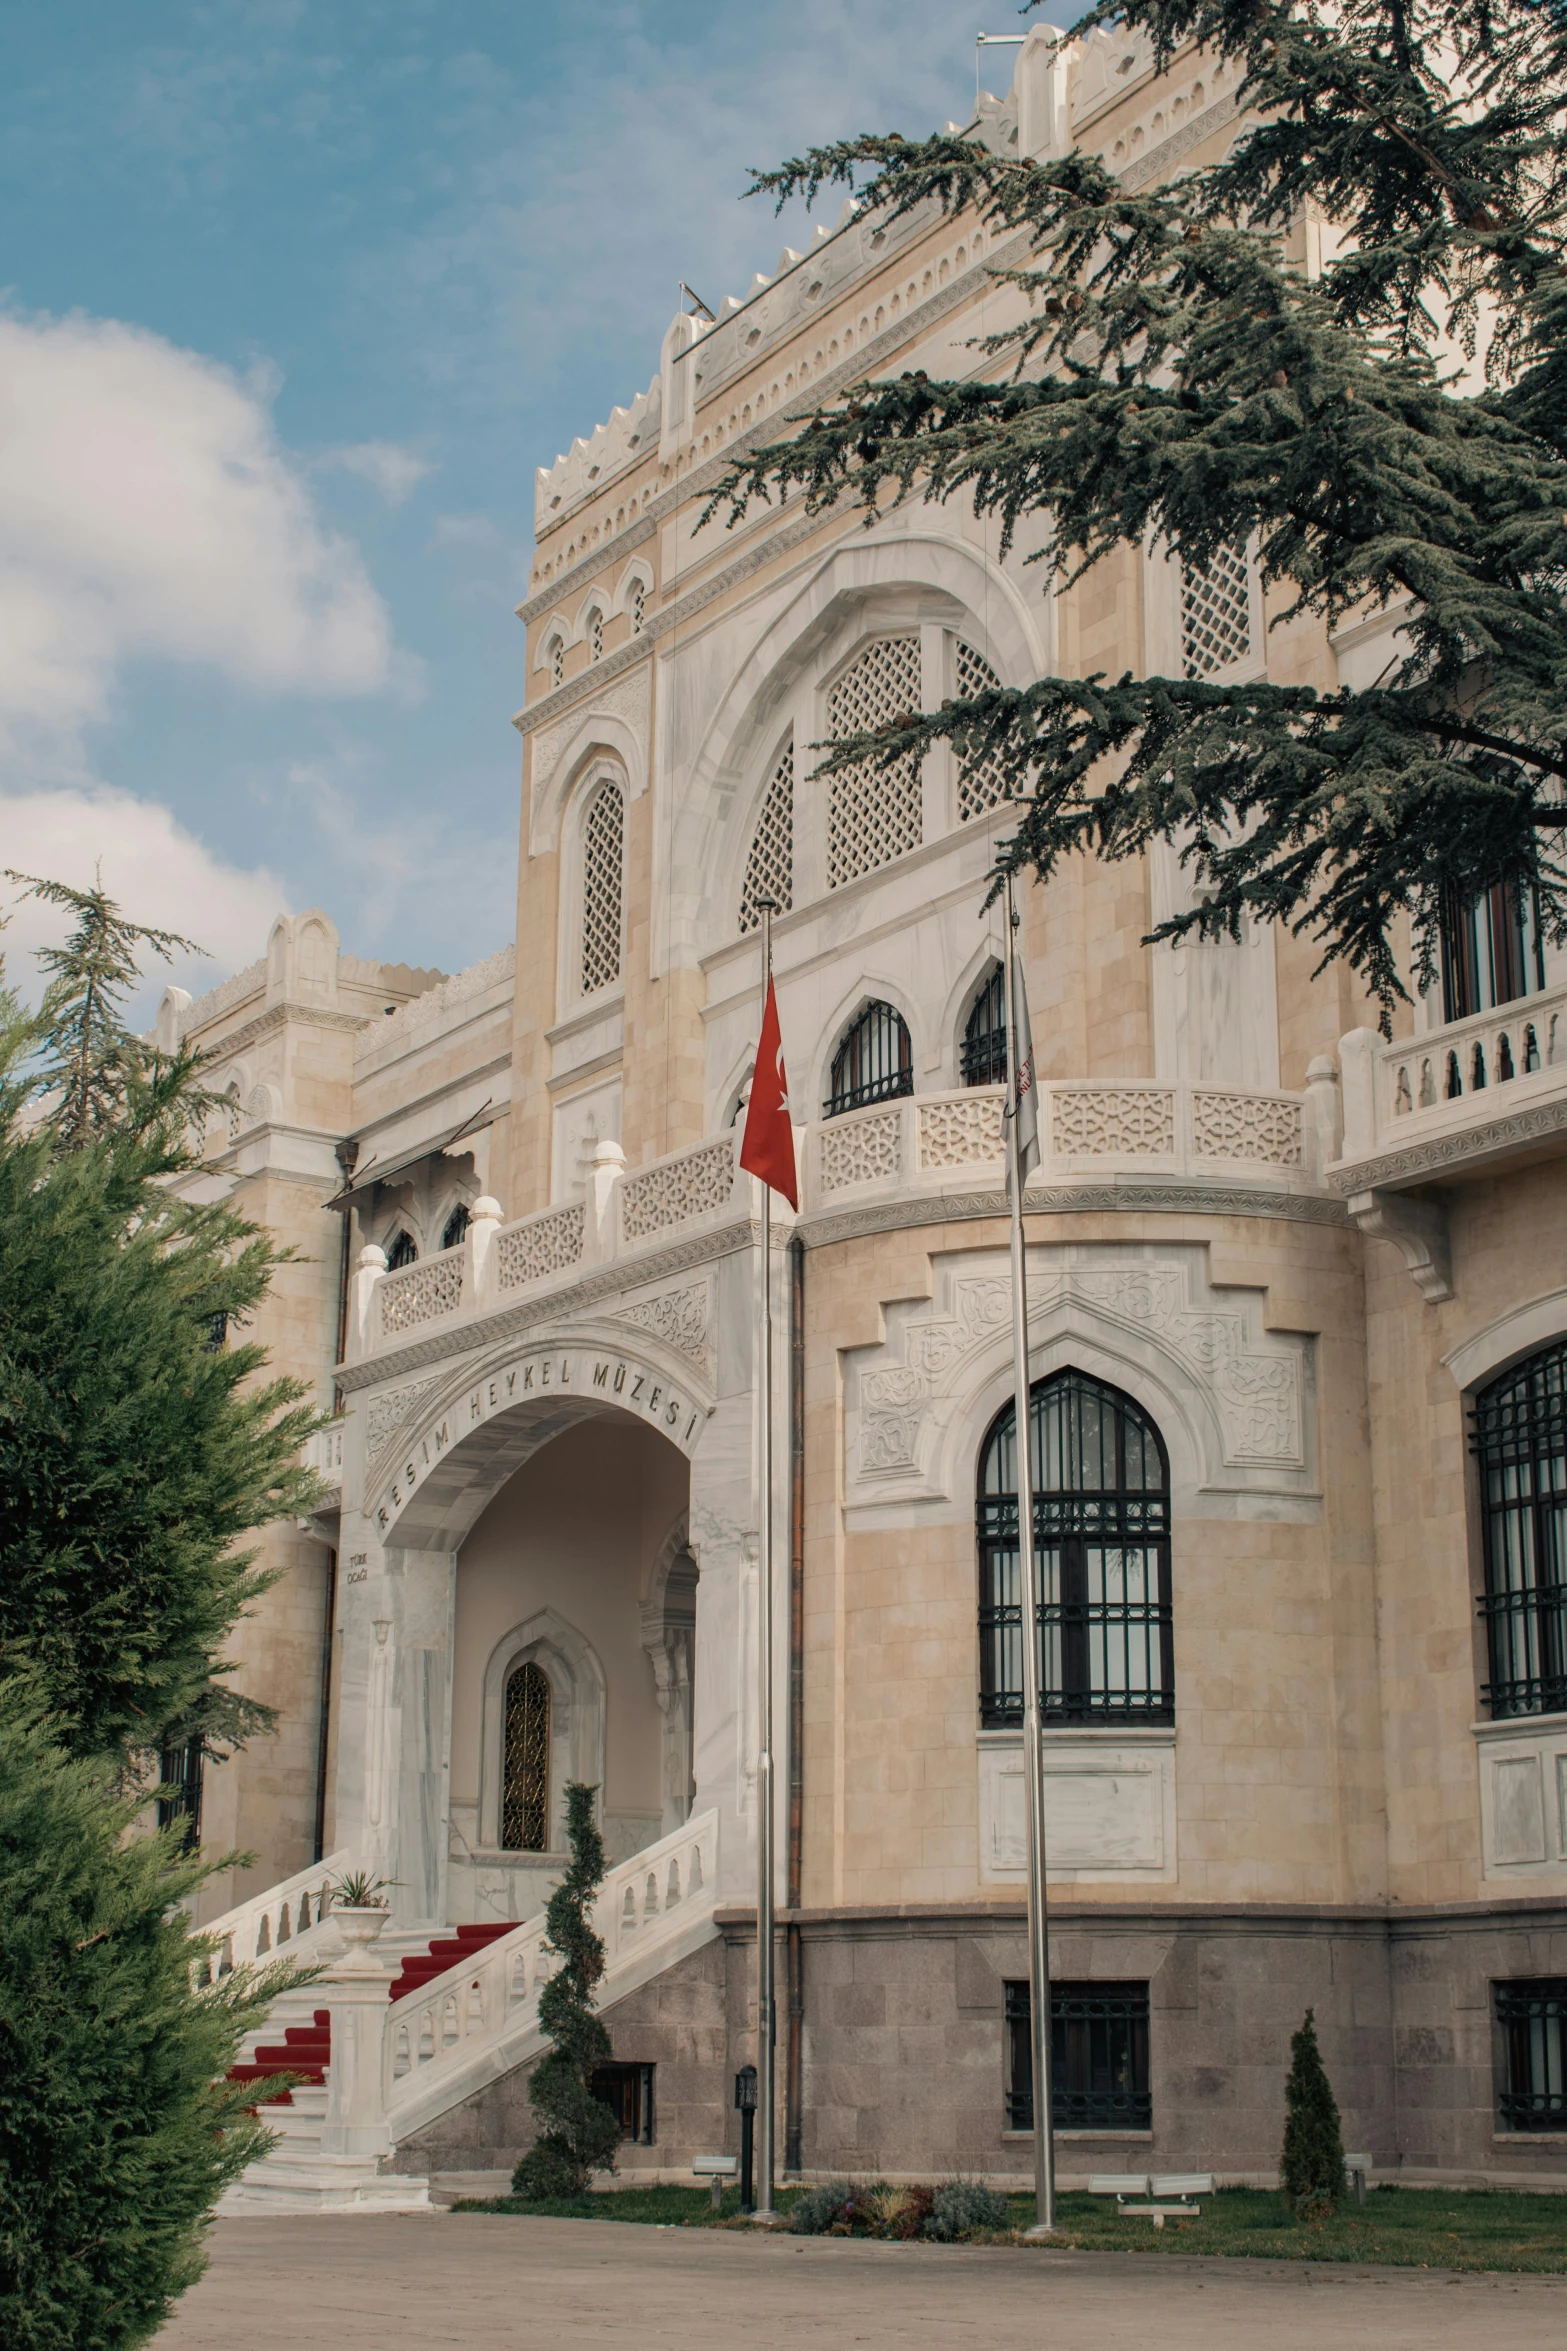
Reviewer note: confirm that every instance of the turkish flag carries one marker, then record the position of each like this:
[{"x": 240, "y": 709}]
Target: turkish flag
[{"x": 768, "y": 1148}]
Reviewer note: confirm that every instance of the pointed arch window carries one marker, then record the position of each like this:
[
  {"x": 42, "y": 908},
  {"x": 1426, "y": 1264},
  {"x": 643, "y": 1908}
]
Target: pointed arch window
[
  {"x": 603, "y": 846},
  {"x": 873, "y": 813},
  {"x": 555, "y": 654},
  {"x": 1520, "y": 1438},
  {"x": 984, "y": 1056},
  {"x": 404, "y": 1250},
  {"x": 456, "y": 1226},
  {"x": 1102, "y": 1528},
  {"x": 525, "y": 1778},
  {"x": 638, "y": 606},
  {"x": 873, "y": 1063},
  {"x": 769, "y": 870},
  {"x": 595, "y": 635}
]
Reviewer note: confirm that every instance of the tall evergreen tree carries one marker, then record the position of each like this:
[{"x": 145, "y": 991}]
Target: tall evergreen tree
[
  {"x": 135, "y": 1455},
  {"x": 1390, "y": 432},
  {"x": 580, "y": 2133},
  {"x": 1311, "y": 2168},
  {"x": 92, "y": 1070},
  {"x": 117, "y": 2130}
]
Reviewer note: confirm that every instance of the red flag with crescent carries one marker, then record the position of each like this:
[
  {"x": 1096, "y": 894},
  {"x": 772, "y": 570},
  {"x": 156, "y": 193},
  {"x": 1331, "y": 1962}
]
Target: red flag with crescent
[{"x": 768, "y": 1148}]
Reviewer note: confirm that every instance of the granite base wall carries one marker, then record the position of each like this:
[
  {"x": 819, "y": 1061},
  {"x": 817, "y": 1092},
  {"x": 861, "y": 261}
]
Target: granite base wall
[{"x": 904, "y": 2042}]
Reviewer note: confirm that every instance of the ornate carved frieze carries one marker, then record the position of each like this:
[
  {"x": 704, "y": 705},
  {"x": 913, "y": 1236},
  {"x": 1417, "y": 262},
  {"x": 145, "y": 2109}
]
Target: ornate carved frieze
[
  {"x": 386, "y": 1414},
  {"x": 679, "y": 1318},
  {"x": 1243, "y": 1389}
]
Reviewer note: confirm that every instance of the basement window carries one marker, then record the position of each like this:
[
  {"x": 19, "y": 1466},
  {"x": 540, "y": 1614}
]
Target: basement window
[
  {"x": 628, "y": 2092},
  {"x": 1098, "y": 2057},
  {"x": 1533, "y": 2018}
]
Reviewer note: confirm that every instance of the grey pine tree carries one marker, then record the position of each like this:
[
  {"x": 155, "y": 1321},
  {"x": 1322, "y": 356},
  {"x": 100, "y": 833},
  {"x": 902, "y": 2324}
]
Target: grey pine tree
[
  {"x": 1179, "y": 377},
  {"x": 579, "y": 2134},
  {"x": 1311, "y": 2168}
]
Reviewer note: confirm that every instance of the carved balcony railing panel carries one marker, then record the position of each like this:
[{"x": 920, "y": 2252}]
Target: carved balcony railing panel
[
  {"x": 1112, "y": 1122},
  {"x": 1265, "y": 1127},
  {"x": 961, "y": 1130},
  {"x": 538, "y": 1246},
  {"x": 863, "y": 1147},
  {"x": 422, "y": 1293},
  {"x": 672, "y": 1191},
  {"x": 1468, "y": 1094}
]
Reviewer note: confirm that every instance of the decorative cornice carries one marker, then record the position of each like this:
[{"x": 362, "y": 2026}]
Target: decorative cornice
[
  {"x": 1192, "y": 134},
  {"x": 1449, "y": 1152},
  {"x": 277, "y": 1016},
  {"x": 819, "y": 1231},
  {"x": 852, "y": 370}
]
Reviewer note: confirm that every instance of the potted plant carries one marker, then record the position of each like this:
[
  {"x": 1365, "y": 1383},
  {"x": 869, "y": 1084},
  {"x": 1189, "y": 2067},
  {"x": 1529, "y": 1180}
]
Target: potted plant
[{"x": 359, "y": 1906}]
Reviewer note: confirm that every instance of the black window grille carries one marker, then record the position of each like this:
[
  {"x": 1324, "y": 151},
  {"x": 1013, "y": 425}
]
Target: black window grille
[
  {"x": 1520, "y": 1437},
  {"x": 1533, "y": 2018},
  {"x": 1102, "y": 1532},
  {"x": 874, "y": 1062},
  {"x": 525, "y": 1777},
  {"x": 456, "y": 1226},
  {"x": 179, "y": 1795},
  {"x": 218, "y": 1330},
  {"x": 627, "y": 2090},
  {"x": 984, "y": 1056},
  {"x": 404, "y": 1251},
  {"x": 1491, "y": 949},
  {"x": 1098, "y": 2058}
]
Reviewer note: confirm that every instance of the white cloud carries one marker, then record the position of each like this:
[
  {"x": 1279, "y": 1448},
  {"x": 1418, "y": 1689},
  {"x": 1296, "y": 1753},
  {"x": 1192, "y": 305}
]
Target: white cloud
[
  {"x": 160, "y": 874},
  {"x": 148, "y": 510},
  {"x": 392, "y": 470}
]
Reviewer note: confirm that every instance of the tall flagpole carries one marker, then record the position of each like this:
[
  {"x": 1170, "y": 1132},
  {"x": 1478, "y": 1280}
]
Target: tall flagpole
[
  {"x": 766, "y": 2037},
  {"x": 1033, "y": 1739}
]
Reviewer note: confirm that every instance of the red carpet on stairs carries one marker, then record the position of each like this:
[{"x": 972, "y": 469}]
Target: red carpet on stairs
[
  {"x": 446, "y": 1951},
  {"x": 305, "y": 2049}
]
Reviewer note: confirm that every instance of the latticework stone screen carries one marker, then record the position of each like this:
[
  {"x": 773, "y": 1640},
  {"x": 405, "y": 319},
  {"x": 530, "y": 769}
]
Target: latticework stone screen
[
  {"x": 1216, "y": 614},
  {"x": 603, "y": 842},
  {"x": 873, "y": 814},
  {"x": 980, "y": 786},
  {"x": 769, "y": 870}
]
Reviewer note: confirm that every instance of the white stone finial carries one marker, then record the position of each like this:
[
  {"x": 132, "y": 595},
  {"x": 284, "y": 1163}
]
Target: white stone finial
[{"x": 372, "y": 1258}]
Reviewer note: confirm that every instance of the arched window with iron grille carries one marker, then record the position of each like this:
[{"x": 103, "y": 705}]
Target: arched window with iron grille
[
  {"x": 1520, "y": 1438},
  {"x": 984, "y": 1056},
  {"x": 456, "y": 1226},
  {"x": 595, "y": 635},
  {"x": 874, "y": 1061},
  {"x": 403, "y": 1251},
  {"x": 638, "y": 606},
  {"x": 525, "y": 1777},
  {"x": 1102, "y": 1531}
]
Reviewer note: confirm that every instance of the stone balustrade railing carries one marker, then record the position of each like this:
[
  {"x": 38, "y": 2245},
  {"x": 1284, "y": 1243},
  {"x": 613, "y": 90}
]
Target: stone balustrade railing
[
  {"x": 324, "y": 1453},
  {"x": 1084, "y": 1130},
  {"x": 917, "y": 1144},
  {"x": 476, "y": 2020},
  {"x": 1469, "y": 1090},
  {"x": 284, "y": 1920},
  {"x": 623, "y": 1213}
]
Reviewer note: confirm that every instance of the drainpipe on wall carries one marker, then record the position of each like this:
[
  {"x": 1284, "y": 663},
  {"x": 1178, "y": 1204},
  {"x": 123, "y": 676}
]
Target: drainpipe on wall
[{"x": 794, "y": 2083}]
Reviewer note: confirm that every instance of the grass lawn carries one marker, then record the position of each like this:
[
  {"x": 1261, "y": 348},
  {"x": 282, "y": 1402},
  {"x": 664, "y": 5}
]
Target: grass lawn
[{"x": 1409, "y": 2227}]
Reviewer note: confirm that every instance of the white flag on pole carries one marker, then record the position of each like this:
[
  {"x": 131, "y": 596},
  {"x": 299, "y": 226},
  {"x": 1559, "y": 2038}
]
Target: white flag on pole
[{"x": 1025, "y": 1098}]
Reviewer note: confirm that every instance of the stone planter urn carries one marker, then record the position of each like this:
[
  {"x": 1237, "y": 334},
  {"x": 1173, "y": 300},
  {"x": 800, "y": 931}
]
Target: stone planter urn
[{"x": 359, "y": 1927}]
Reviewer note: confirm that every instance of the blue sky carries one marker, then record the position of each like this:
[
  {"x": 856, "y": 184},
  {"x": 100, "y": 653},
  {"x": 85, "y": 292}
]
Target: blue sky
[{"x": 294, "y": 301}]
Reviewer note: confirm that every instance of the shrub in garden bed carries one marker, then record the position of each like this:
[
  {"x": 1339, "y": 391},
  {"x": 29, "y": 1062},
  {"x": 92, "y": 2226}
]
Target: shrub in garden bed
[{"x": 956, "y": 2209}]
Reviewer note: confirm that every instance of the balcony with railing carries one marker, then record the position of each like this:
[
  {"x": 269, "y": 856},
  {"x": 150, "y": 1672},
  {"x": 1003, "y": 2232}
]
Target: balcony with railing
[
  {"x": 1467, "y": 1096},
  {"x": 937, "y": 1149}
]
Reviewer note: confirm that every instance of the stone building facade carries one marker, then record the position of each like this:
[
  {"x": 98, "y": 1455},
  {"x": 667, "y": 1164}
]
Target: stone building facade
[{"x": 1298, "y": 1315}]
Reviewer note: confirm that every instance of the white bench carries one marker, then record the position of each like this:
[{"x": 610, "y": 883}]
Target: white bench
[
  {"x": 716, "y": 2169},
  {"x": 1157, "y": 2196}
]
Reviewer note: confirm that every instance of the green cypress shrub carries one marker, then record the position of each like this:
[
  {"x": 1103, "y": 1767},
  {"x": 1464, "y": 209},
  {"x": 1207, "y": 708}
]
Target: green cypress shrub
[
  {"x": 117, "y": 2130},
  {"x": 1312, "y": 2166},
  {"x": 578, "y": 2133}
]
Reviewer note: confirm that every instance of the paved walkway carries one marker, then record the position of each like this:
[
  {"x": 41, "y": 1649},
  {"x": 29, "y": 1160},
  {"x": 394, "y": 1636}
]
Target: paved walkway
[{"x": 483, "y": 2281}]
